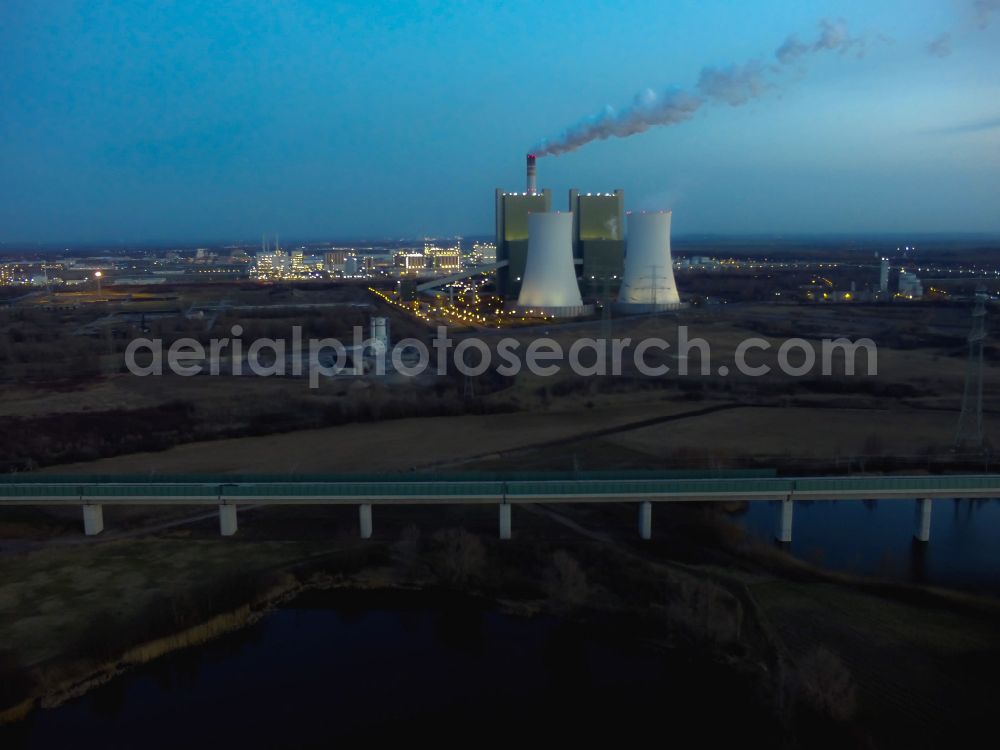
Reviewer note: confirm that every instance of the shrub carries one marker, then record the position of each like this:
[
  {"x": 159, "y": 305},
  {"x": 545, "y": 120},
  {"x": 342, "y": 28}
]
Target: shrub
[
  {"x": 705, "y": 612},
  {"x": 565, "y": 582},
  {"x": 825, "y": 684},
  {"x": 461, "y": 556}
]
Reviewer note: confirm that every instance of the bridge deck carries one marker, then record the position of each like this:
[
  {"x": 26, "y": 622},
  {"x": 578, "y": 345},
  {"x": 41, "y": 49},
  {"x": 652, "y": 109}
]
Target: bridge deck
[{"x": 406, "y": 489}]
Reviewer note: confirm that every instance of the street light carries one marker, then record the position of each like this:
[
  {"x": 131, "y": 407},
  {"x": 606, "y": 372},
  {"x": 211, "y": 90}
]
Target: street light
[{"x": 97, "y": 275}]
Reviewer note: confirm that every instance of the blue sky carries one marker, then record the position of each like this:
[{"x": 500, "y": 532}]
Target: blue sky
[{"x": 197, "y": 121}]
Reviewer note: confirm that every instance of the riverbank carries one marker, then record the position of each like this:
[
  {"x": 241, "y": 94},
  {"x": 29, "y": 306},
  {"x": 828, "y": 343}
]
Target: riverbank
[{"x": 77, "y": 617}]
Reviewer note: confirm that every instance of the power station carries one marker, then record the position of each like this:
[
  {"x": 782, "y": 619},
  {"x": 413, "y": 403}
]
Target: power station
[
  {"x": 512, "y": 210},
  {"x": 547, "y": 262}
]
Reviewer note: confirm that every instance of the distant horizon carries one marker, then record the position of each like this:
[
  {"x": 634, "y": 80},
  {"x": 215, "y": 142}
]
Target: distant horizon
[{"x": 934, "y": 239}]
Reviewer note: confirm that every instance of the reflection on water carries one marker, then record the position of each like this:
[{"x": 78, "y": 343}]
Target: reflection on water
[
  {"x": 337, "y": 665},
  {"x": 875, "y": 537}
]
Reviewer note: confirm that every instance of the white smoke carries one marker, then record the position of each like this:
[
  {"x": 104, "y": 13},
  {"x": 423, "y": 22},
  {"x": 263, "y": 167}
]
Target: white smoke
[
  {"x": 833, "y": 37},
  {"x": 940, "y": 47},
  {"x": 734, "y": 85},
  {"x": 647, "y": 110},
  {"x": 985, "y": 9}
]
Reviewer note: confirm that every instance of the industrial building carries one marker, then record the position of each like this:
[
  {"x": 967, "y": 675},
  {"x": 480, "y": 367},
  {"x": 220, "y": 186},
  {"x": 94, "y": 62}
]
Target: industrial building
[
  {"x": 598, "y": 237},
  {"x": 584, "y": 249},
  {"x": 333, "y": 260},
  {"x": 446, "y": 258},
  {"x": 273, "y": 264},
  {"x": 910, "y": 285},
  {"x": 512, "y": 210}
]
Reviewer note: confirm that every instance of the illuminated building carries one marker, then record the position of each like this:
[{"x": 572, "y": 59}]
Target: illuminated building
[
  {"x": 484, "y": 252},
  {"x": 444, "y": 258},
  {"x": 409, "y": 262},
  {"x": 334, "y": 259},
  {"x": 352, "y": 267},
  {"x": 274, "y": 265},
  {"x": 512, "y": 211},
  {"x": 910, "y": 286},
  {"x": 598, "y": 234}
]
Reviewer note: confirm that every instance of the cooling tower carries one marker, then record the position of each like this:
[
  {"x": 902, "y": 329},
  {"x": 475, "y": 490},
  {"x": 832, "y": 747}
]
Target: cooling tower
[
  {"x": 549, "y": 284},
  {"x": 648, "y": 284}
]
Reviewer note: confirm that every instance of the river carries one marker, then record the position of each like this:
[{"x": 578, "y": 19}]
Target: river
[
  {"x": 875, "y": 538},
  {"x": 422, "y": 668}
]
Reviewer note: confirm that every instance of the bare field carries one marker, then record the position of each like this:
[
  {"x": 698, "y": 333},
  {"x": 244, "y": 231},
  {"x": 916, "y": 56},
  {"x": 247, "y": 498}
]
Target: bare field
[
  {"x": 396, "y": 445},
  {"x": 790, "y": 432}
]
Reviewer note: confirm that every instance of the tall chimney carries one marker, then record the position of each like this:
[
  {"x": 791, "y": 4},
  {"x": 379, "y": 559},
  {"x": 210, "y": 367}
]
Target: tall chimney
[{"x": 532, "y": 187}]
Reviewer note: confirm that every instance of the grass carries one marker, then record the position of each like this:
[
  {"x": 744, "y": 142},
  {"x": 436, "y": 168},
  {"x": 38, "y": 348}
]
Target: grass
[{"x": 48, "y": 598}]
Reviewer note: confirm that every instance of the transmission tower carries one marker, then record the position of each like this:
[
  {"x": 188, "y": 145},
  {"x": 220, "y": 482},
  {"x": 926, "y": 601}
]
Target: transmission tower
[
  {"x": 970, "y": 423},
  {"x": 607, "y": 326}
]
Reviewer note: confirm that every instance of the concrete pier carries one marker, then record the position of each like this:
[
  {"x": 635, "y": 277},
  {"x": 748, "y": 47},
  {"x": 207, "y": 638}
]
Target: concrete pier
[
  {"x": 646, "y": 520},
  {"x": 227, "y": 520},
  {"x": 93, "y": 519},
  {"x": 504, "y": 520},
  {"x": 365, "y": 515},
  {"x": 784, "y": 531},
  {"x": 922, "y": 529}
]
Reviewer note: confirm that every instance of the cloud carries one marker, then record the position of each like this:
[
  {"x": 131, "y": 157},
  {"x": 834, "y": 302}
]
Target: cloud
[{"x": 940, "y": 47}]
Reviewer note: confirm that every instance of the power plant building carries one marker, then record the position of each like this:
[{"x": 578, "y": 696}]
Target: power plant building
[
  {"x": 598, "y": 235},
  {"x": 548, "y": 257},
  {"x": 649, "y": 283},
  {"x": 512, "y": 211}
]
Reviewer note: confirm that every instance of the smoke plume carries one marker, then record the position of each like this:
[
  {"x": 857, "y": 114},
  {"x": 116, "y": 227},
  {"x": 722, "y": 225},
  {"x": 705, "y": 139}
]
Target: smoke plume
[
  {"x": 940, "y": 47},
  {"x": 735, "y": 85},
  {"x": 984, "y": 9},
  {"x": 647, "y": 110}
]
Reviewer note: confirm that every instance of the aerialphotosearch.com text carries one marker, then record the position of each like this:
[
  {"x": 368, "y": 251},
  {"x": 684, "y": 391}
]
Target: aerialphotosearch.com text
[{"x": 318, "y": 358}]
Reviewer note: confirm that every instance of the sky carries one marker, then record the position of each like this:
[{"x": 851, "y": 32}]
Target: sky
[{"x": 218, "y": 121}]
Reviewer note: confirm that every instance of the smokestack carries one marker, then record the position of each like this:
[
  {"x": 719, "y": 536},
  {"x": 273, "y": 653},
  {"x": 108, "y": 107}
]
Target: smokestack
[{"x": 532, "y": 187}]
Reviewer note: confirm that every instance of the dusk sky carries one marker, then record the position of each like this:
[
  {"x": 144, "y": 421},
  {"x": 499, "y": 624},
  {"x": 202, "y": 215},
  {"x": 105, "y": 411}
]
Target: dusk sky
[{"x": 215, "y": 121}]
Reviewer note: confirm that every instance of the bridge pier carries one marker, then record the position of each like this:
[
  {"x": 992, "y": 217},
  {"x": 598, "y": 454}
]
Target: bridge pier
[
  {"x": 646, "y": 519},
  {"x": 227, "y": 520},
  {"x": 505, "y": 520},
  {"x": 93, "y": 519},
  {"x": 365, "y": 516},
  {"x": 784, "y": 531},
  {"x": 922, "y": 529}
]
